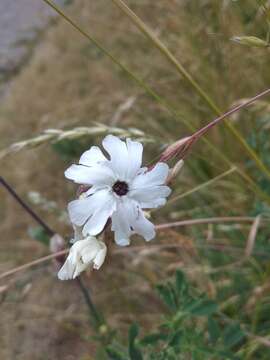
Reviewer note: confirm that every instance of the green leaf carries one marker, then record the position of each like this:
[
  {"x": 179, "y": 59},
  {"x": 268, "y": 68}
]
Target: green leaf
[
  {"x": 213, "y": 330},
  {"x": 176, "y": 339},
  {"x": 133, "y": 332},
  {"x": 39, "y": 234},
  {"x": 153, "y": 339},
  {"x": 134, "y": 351},
  {"x": 233, "y": 334},
  {"x": 210, "y": 352},
  {"x": 115, "y": 354},
  {"x": 167, "y": 296},
  {"x": 181, "y": 284},
  {"x": 203, "y": 307}
]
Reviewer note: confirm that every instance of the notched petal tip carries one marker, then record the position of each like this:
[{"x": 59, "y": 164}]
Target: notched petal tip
[
  {"x": 121, "y": 241},
  {"x": 69, "y": 173},
  {"x": 67, "y": 271},
  {"x": 92, "y": 157}
]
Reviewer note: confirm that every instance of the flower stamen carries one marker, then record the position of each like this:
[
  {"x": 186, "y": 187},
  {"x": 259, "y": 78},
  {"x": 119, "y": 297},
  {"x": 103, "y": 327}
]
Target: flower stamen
[{"x": 120, "y": 188}]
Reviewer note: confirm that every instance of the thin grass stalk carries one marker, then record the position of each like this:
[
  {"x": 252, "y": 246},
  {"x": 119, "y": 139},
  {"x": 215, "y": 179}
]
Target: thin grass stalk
[
  {"x": 183, "y": 72},
  {"x": 211, "y": 220},
  {"x": 253, "y": 186},
  {"x": 202, "y": 186},
  {"x": 139, "y": 81},
  {"x": 182, "y": 223},
  {"x": 33, "y": 263},
  {"x": 165, "y": 51}
]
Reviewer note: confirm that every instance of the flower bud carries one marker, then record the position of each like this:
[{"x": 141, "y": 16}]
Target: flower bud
[
  {"x": 82, "y": 254},
  {"x": 251, "y": 41},
  {"x": 174, "y": 149}
]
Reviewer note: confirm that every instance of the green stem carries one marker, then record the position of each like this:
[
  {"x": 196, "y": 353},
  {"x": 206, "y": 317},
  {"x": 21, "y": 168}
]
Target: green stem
[
  {"x": 201, "y": 186},
  {"x": 94, "y": 313}
]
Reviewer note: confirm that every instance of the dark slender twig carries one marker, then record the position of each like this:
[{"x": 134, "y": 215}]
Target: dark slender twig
[
  {"x": 26, "y": 207},
  {"x": 97, "y": 317}
]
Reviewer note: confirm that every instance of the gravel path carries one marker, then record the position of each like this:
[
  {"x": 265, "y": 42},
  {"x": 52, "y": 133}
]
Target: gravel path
[{"x": 19, "y": 22}]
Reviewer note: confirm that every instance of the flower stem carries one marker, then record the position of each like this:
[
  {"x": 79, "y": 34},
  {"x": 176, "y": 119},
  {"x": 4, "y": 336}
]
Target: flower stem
[{"x": 94, "y": 313}]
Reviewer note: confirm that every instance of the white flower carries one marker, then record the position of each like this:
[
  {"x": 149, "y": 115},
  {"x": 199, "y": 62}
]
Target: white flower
[
  {"x": 82, "y": 254},
  {"x": 120, "y": 189}
]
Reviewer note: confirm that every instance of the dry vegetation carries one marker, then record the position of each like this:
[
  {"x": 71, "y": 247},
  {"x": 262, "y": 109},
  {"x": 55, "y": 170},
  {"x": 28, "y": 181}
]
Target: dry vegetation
[{"x": 68, "y": 82}]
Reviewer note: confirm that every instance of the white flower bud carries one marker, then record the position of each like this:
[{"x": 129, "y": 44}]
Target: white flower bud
[{"x": 82, "y": 254}]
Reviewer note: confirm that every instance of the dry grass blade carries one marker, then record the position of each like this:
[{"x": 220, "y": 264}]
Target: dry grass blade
[
  {"x": 122, "y": 109},
  {"x": 252, "y": 236},
  {"x": 213, "y": 220},
  {"x": 33, "y": 263},
  {"x": 56, "y": 135}
]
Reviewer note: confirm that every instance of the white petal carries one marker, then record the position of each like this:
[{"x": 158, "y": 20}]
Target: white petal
[
  {"x": 77, "y": 234},
  {"x": 153, "y": 203},
  {"x": 80, "y": 210},
  {"x": 67, "y": 270},
  {"x": 100, "y": 257},
  {"x": 92, "y": 156},
  {"x": 135, "y": 151},
  {"x": 94, "y": 189},
  {"x": 117, "y": 150},
  {"x": 150, "y": 194},
  {"x": 121, "y": 239},
  {"x": 144, "y": 227},
  {"x": 129, "y": 219},
  {"x": 103, "y": 211},
  {"x": 80, "y": 267},
  {"x": 90, "y": 251},
  {"x": 122, "y": 220},
  {"x": 156, "y": 176},
  {"x": 121, "y": 225},
  {"x": 96, "y": 175}
]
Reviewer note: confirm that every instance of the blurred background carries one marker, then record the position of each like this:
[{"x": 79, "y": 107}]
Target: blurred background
[{"x": 52, "y": 77}]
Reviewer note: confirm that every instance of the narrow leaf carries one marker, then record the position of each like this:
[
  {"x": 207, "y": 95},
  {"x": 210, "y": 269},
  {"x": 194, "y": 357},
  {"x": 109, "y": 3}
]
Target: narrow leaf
[
  {"x": 203, "y": 308},
  {"x": 233, "y": 334}
]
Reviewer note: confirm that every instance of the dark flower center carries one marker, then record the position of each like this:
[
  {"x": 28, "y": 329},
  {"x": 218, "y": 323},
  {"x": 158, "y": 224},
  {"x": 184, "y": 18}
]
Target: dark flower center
[{"x": 120, "y": 188}]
